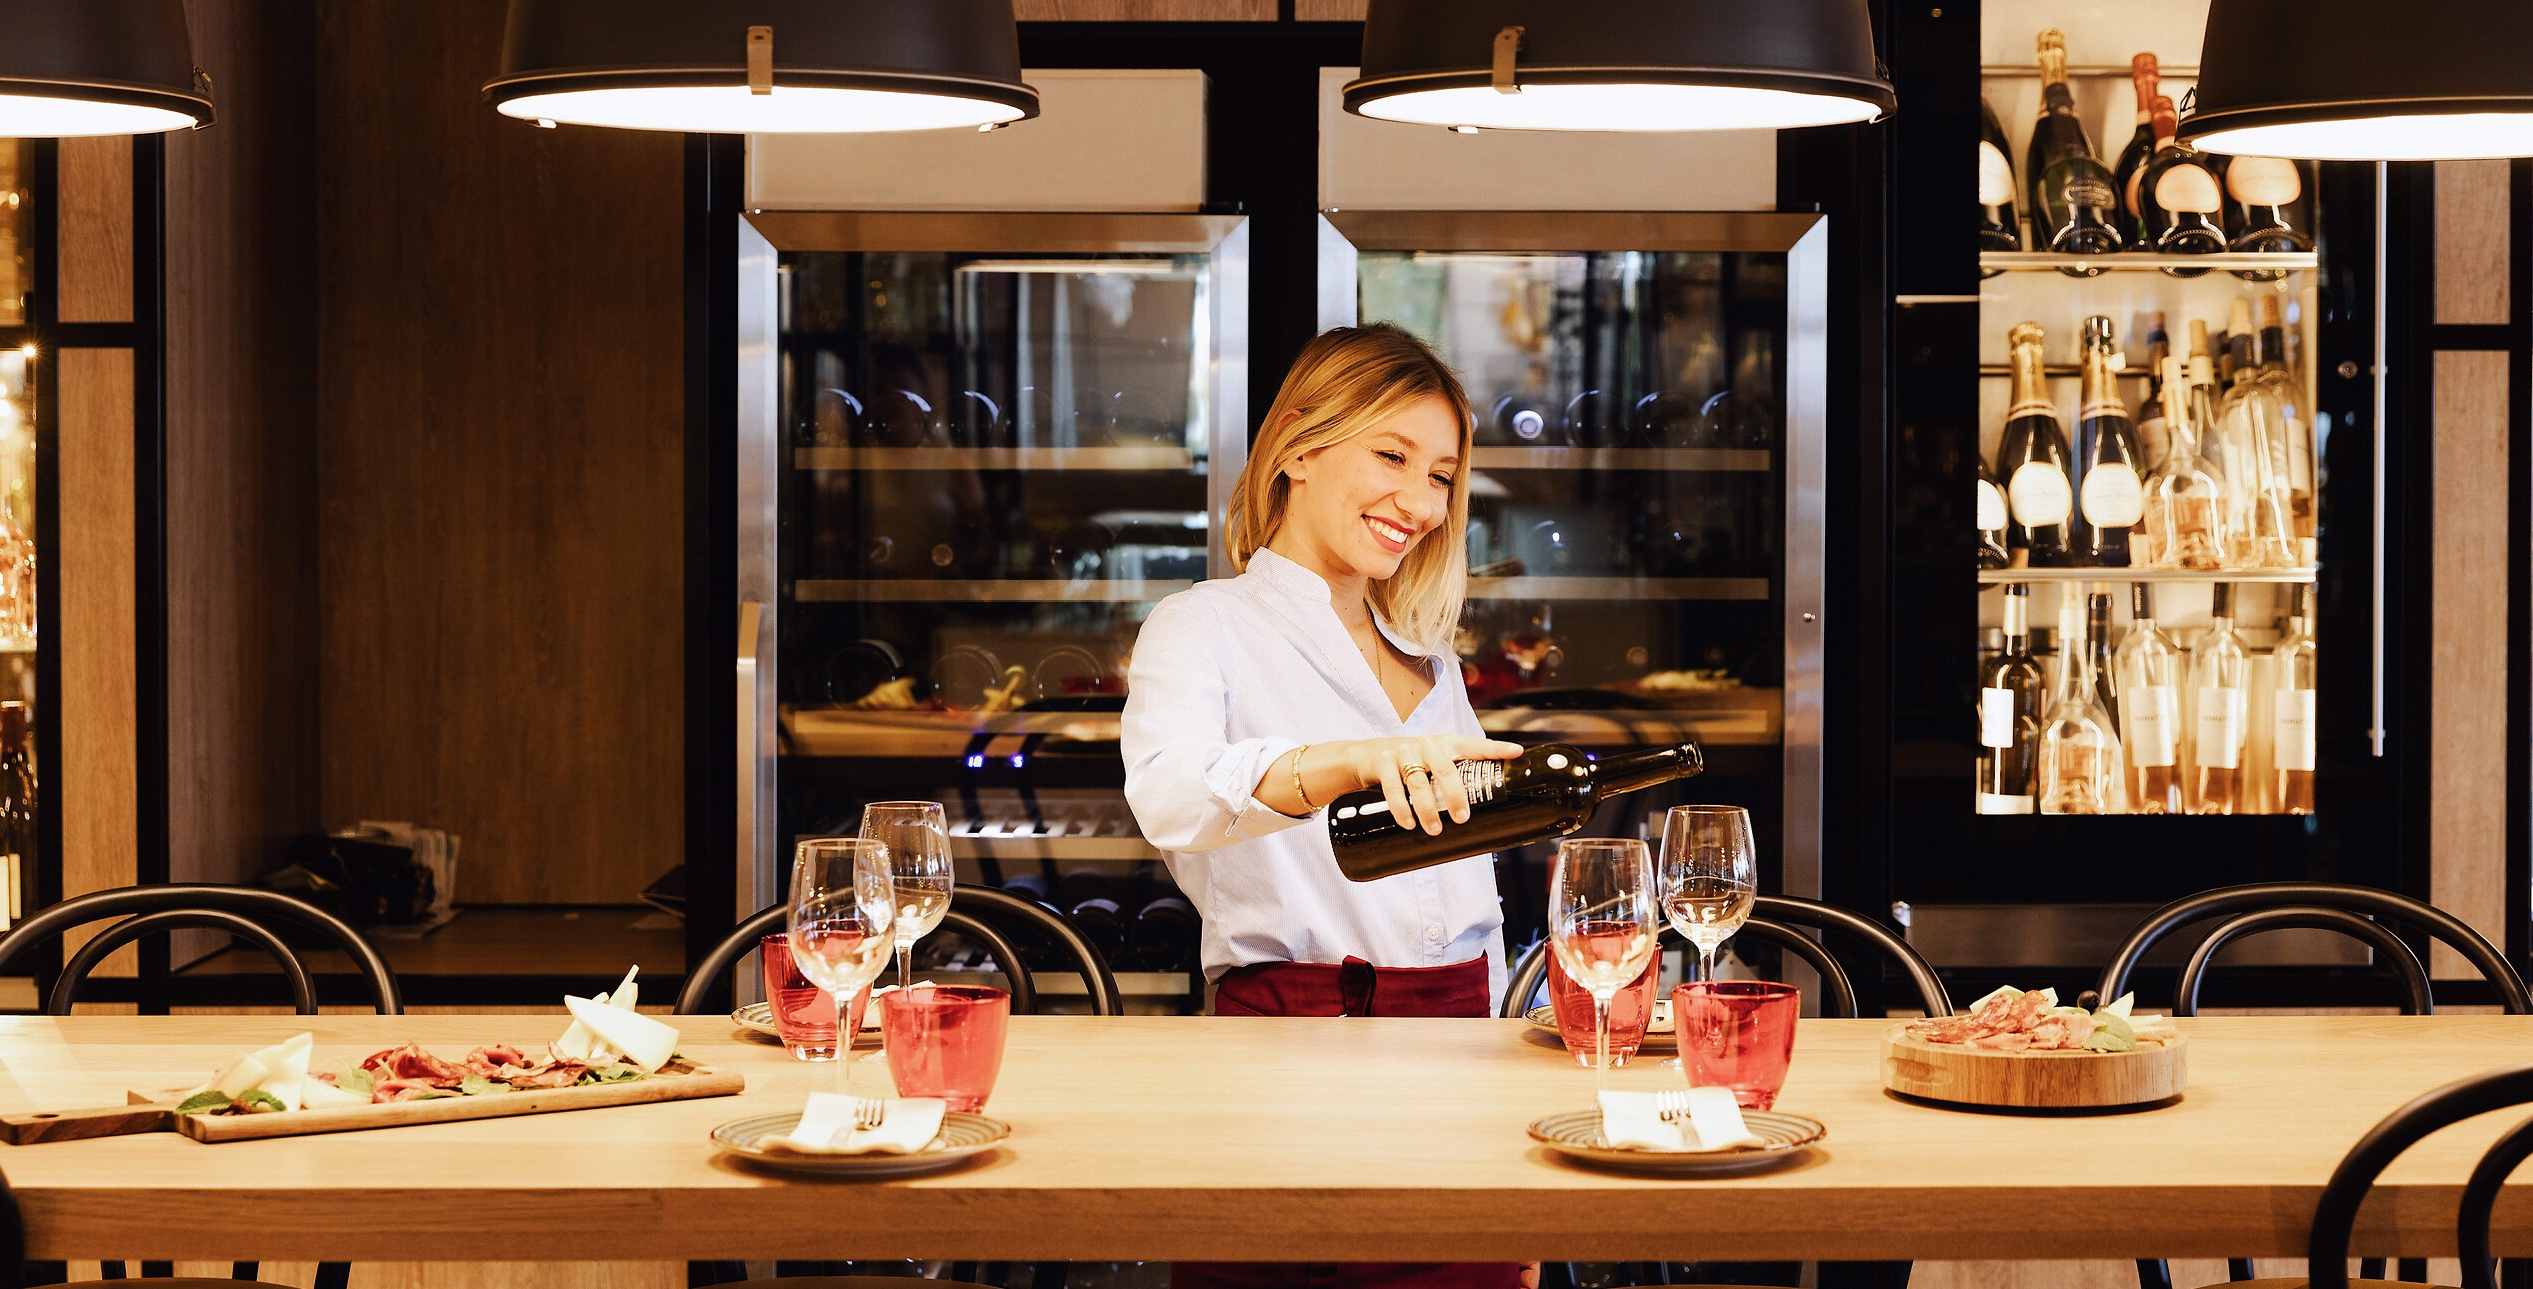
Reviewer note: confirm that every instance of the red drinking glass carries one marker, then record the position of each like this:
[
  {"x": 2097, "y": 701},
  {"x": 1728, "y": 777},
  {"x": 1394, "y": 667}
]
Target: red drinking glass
[
  {"x": 803, "y": 1015},
  {"x": 1631, "y": 1010},
  {"x": 1737, "y": 1033},
  {"x": 945, "y": 1041}
]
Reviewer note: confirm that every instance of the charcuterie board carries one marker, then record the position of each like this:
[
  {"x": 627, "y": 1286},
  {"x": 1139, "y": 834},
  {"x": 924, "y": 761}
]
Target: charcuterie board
[
  {"x": 1965, "y": 1075},
  {"x": 396, "y": 1114}
]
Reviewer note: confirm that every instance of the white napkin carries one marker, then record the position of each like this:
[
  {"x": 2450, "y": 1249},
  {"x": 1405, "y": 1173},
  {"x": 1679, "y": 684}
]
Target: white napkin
[
  {"x": 826, "y": 1127},
  {"x": 1634, "y": 1119}
]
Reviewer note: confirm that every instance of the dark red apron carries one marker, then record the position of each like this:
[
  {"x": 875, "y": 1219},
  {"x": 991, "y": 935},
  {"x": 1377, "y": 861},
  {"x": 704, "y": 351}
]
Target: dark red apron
[{"x": 1351, "y": 988}]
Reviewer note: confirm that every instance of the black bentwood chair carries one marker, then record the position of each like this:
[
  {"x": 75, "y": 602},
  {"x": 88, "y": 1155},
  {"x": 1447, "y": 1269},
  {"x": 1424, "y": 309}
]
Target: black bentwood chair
[
  {"x": 242, "y": 911},
  {"x": 975, "y": 913},
  {"x": 2362, "y": 913}
]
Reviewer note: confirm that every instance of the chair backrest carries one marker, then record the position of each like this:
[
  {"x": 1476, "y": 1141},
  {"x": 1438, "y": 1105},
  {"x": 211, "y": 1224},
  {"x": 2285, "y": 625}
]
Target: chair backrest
[
  {"x": 158, "y": 908},
  {"x": 1838, "y": 992},
  {"x": 1833, "y": 920},
  {"x": 2326, "y": 1250},
  {"x": 2417, "y": 995},
  {"x": 1018, "y": 916},
  {"x": 703, "y": 982},
  {"x": 2380, "y": 905}
]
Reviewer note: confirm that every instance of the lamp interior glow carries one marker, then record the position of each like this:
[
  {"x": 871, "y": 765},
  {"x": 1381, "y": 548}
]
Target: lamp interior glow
[
  {"x": 45, "y": 116},
  {"x": 2419, "y": 136},
  {"x": 732, "y": 109},
  {"x": 1620, "y": 107}
]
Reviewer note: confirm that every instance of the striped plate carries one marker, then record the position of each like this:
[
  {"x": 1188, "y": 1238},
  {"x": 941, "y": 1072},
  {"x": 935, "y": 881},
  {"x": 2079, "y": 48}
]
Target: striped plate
[
  {"x": 756, "y": 1017},
  {"x": 1577, "y": 1134},
  {"x": 962, "y": 1135},
  {"x": 1657, "y": 1031}
]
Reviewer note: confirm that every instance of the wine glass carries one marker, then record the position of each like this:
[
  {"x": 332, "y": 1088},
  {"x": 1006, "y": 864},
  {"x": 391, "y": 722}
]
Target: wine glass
[
  {"x": 918, "y": 841},
  {"x": 840, "y": 920},
  {"x": 1602, "y": 924},
  {"x": 1710, "y": 876}
]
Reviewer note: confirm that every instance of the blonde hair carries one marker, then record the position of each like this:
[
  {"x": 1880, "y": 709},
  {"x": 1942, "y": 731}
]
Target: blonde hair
[{"x": 1344, "y": 381}]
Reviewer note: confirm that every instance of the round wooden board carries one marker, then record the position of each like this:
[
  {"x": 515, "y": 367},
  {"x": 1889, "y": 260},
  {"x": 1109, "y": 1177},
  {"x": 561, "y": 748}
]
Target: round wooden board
[{"x": 2033, "y": 1080}]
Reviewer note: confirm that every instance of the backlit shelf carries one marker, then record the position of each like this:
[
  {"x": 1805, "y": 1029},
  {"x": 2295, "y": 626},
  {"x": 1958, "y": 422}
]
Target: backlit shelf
[
  {"x": 1618, "y": 588},
  {"x": 2008, "y": 576},
  {"x": 1722, "y": 460},
  {"x": 2148, "y": 261},
  {"x": 981, "y": 591},
  {"x": 1141, "y": 457}
]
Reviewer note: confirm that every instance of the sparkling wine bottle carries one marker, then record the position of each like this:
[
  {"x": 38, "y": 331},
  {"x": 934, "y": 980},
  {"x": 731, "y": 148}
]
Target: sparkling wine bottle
[
  {"x": 2111, "y": 491},
  {"x": 2217, "y": 672},
  {"x": 2000, "y": 216},
  {"x": 1543, "y": 794},
  {"x": 2185, "y": 515},
  {"x": 2180, "y": 203},
  {"x": 2149, "y": 669},
  {"x": 2268, "y": 210},
  {"x": 2294, "y": 710},
  {"x": 2010, "y": 695},
  {"x": 2075, "y": 203},
  {"x": 1992, "y": 521},
  {"x": 2034, "y": 461},
  {"x": 2142, "y": 73}
]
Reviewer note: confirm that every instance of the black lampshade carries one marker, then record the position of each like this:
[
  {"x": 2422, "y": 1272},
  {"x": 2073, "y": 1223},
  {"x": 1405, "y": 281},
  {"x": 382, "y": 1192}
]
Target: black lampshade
[
  {"x": 2365, "y": 80},
  {"x": 821, "y": 66},
  {"x": 76, "y": 67},
  {"x": 1620, "y": 64}
]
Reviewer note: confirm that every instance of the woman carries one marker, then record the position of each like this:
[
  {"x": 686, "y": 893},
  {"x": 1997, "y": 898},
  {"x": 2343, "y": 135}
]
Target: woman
[{"x": 1326, "y": 667}]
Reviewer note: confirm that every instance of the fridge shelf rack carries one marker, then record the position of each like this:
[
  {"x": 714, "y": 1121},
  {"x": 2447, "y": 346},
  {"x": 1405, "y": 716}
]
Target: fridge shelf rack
[
  {"x": 2149, "y": 262},
  {"x": 1677, "y": 460},
  {"x": 1618, "y": 588},
  {"x": 1138, "y": 457},
  {"x": 2123, "y": 576},
  {"x": 1015, "y": 590}
]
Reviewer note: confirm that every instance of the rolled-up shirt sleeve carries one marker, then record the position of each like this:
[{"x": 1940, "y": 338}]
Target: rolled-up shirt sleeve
[{"x": 1191, "y": 787}]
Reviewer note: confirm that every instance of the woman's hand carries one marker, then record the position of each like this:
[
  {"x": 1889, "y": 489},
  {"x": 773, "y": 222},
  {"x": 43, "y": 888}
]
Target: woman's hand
[{"x": 1420, "y": 776}]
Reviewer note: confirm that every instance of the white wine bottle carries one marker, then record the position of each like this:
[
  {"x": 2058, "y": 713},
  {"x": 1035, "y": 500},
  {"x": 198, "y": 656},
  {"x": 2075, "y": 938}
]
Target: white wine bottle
[
  {"x": 2294, "y": 710},
  {"x": 2079, "y": 770},
  {"x": 2185, "y": 517},
  {"x": 2010, "y": 694},
  {"x": 2150, "y": 711},
  {"x": 2218, "y": 670},
  {"x": 2252, "y": 429}
]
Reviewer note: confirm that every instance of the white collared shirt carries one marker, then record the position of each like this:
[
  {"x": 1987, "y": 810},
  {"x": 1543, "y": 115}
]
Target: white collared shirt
[{"x": 1227, "y": 677}]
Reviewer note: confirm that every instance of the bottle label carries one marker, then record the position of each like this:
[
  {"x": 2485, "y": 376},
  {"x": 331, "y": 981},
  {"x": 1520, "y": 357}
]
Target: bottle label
[
  {"x": 2040, "y": 494},
  {"x": 2188, "y": 189},
  {"x": 2153, "y": 725},
  {"x": 2113, "y": 498},
  {"x": 2264, "y": 181},
  {"x": 2220, "y": 732},
  {"x": 2153, "y": 444},
  {"x": 1996, "y": 176},
  {"x": 1991, "y": 508},
  {"x": 2291, "y": 742},
  {"x": 2087, "y": 190},
  {"x": 1997, "y": 803},
  {"x": 1996, "y": 717}
]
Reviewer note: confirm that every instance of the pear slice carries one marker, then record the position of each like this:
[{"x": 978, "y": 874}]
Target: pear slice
[
  {"x": 286, "y": 1069},
  {"x": 241, "y": 1076},
  {"x": 646, "y": 1042},
  {"x": 317, "y": 1094}
]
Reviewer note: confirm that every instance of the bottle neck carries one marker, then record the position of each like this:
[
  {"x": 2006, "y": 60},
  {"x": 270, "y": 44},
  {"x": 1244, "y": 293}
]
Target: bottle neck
[
  {"x": 2100, "y": 388},
  {"x": 2018, "y": 623},
  {"x": 1629, "y": 771},
  {"x": 2030, "y": 390},
  {"x": 2273, "y": 348}
]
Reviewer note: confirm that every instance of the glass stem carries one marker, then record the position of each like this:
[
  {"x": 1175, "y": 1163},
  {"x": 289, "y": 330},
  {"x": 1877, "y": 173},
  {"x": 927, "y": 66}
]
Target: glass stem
[
  {"x": 905, "y": 964},
  {"x": 844, "y": 1046},
  {"x": 1601, "y": 1040}
]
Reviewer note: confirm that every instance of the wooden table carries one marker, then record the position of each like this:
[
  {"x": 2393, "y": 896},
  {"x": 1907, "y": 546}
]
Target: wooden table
[{"x": 1167, "y": 1138}]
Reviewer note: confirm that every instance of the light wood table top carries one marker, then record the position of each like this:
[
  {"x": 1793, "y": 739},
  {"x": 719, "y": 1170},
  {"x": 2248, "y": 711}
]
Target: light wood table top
[{"x": 1171, "y": 1138}]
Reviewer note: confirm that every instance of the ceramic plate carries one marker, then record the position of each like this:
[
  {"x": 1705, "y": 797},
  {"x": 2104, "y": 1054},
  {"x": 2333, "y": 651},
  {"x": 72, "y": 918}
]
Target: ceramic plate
[
  {"x": 1577, "y": 1134},
  {"x": 1544, "y": 1016},
  {"x": 758, "y": 1019},
  {"x": 962, "y": 1135}
]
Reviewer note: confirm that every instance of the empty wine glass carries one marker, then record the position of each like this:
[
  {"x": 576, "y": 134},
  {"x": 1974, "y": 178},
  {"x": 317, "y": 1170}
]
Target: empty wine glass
[
  {"x": 1710, "y": 876},
  {"x": 918, "y": 841},
  {"x": 840, "y": 920},
  {"x": 1602, "y": 924}
]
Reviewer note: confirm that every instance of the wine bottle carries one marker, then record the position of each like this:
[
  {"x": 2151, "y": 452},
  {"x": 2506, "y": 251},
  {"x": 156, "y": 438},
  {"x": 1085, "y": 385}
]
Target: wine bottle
[
  {"x": 2276, "y": 377},
  {"x": 2131, "y": 166},
  {"x": 1165, "y": 936},
  {"x": 2033, "y": 460},
  {"x": 2252, "y": 423},
  {"x": 2150, "y": 714},
  {"x": 18, "y": 832},
  {"x": 2267, "y": 210},
  {"x": 2294, "y": 710},
  {"x": 2097, "y": 645},
  {"x": 2000, "y": 220},
  {"x": 2179, "y": 200},
  {"x": 2010, "y": 712},
  {"x": 1992, "y": 522},
  {"x": 2151, "y": 443},
  {"x": 2185, "y": 514},
  {"x": 1543, "y": 794},
  {"x": 2217, "y": 670},
  {"x": 2075, "y": 204},
  {"x": 1102, "y": 923},
  {"x": 2204, "y": 398},
  {"x": 2109, "y": 485},
  {"x": 2080, "y": 771}
]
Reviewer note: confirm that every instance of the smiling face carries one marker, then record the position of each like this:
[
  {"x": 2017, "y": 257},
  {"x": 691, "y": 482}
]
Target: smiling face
[{"x": 1357, "y": 507}]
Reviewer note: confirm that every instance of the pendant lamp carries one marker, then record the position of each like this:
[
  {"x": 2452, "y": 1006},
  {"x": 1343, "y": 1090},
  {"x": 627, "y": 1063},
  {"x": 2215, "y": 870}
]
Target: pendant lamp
[
  {"x": 2365, "y": 80},
  {"x": 80, "y": 67},
  {"x": 763, "y": 66},
  {"x": 1620, "y": 64}
]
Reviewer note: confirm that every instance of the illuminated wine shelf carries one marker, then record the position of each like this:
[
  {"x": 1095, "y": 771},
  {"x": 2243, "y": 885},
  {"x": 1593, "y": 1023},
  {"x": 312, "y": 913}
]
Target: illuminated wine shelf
[
  {"x": 995, "y": 591},
  {"x": 2147, "y": 262},
  {"x": 1151, "y": 457},
  {"x": 1618, "y": 588},
  {"x": 2008, "y": 576},
  {"x": 1722, "y": 460}
]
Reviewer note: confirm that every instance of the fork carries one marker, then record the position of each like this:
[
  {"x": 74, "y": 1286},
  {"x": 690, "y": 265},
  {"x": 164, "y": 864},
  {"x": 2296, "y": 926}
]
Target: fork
[
  {"x": 869, "y": 1112},
  {"x": 1673, "y": 1106}
]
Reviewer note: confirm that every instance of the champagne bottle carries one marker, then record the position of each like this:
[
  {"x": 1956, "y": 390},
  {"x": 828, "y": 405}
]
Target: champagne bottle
[
  {"x": 2294, "y": 710},
  {"x": 2109, "y": 486},
  {"x": 2033, "y": 460},
  {"x": 1543, "y": 794},
  {"x": 2217, "y": 671},
  {"x": 2131, "y": 166},
  {"x": 2075, "y": 203},
  {"x": 2000, "y": 219},
  {"x": 2151, "y": 438},
  {"x": 2181, "y": 204},
  {"x": 2010, "y": 693},
  {"x": 2252, "y": 424},
  {"x": 1992, "y": 521},
  {"x": 2080, "y": 771},
  {"x": 2150, "y": 712},
  {"x": 2276, "y": 377},
  {"x": 2185, "y": 513},
  {"x": 2268, "y": 210}
]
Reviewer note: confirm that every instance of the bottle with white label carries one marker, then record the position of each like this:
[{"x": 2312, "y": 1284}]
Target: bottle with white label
[
  {"x": 2110, "y": 484},
  {"x": 2034, "y": 462},
  {"x": 2010, "y": 691},
  {"x": 2217, "y": 702},
  {"x": 1992, "y": 522},
  {"x": 2080, "y": 770},
  {"x": 2149, "y": 668},
  {"x": 2000, "y": 216},
  {"x": 2294, "y": 711},
  {"x": 2252, "y": 426}
]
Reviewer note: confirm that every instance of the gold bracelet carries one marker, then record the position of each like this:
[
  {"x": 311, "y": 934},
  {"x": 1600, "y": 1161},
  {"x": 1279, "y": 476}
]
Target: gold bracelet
[{"x": 1307, "y": 807}]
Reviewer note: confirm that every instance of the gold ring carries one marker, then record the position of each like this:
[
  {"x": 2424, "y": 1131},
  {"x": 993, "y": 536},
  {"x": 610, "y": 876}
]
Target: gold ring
[{"x": 1415, "y": 769}]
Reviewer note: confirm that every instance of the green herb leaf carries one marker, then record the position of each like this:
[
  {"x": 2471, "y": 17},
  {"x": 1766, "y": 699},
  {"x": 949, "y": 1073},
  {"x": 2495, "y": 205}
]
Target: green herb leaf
[
  {"x": 616, "y": 1073},
  {"x": 356, "y": 1079},
  {"x": 211, "y": 1100},
  {"x": 258, "y": 1101},
  {"x": 2111, "y": 1033},
  {"x": 476, "y": 1085}
]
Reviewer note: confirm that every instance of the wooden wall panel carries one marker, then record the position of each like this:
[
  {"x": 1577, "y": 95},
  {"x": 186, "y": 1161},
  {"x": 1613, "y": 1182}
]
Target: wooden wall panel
[
  {"x": 2467, "y": 812},
  {"x": 96, "y": 230},
  {"x": 1144, "y": 10},
  {"x": 96, "y": 780},
  {"x": 241, "y": 449},
  {"x": 2471, "y": 242},
  {"x": 1329, "y": 10},
  {"x": 498, "y": 464}
]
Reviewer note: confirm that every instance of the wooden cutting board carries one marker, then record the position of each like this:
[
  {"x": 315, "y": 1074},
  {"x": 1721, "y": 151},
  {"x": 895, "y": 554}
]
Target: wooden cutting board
[
  {"x": 396, "y": 1114},
  {"x": 2033, "y": 1080}
]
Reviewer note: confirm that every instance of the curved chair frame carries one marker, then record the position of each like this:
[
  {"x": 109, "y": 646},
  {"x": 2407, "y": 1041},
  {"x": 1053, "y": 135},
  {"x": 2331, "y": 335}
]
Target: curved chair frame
[
  {"x": 2378, "y": 904},
  {"x": 303, "y": 991},
  {"x": 1775, "y": 918},
  {"x": 746, "y": 937},
  {"x": 2480, "y": 1195},
  {"x": 986, "y": 902},
  {"x": 2418, "y": 996},
  {"x": 2327, "y": 1249},
  {"x": 1838, "y": 992},
  {"x": 245, "y": 901}
]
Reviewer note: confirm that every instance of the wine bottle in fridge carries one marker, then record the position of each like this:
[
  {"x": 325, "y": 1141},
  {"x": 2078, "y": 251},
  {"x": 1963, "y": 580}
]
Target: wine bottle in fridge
[
  {"x": 2179, "y": 201},
  {"x": 2268, "y": 210},
  {"x": 1992, "y": 522},
  {"x": 2253, "y": 430},
  {"x": 2149, "y": 669},
  {"x": 2218, "y": 669},
  {"x": 2142, "y": 73},
  {"x": 2294, "y": 710},
  {"x": 2079, "y": 769},
  {"x": 2297, "y": 448},
  {"x": 2110, "y": 492},
  {"x": 2000, "y": 215},
  {"x": 2150, "y": 413},
  {"x": 2075, "y": 203},
  {"x": 1543, "y": 794},
  {"x": 2185, "y": 515},
  {"x": 2034, "y": 461},
  {"x": 2010, "y": 693}
]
